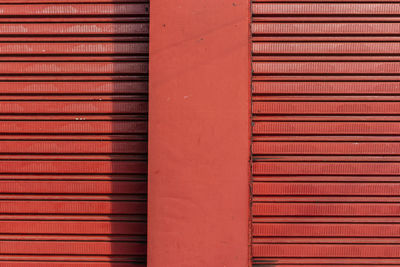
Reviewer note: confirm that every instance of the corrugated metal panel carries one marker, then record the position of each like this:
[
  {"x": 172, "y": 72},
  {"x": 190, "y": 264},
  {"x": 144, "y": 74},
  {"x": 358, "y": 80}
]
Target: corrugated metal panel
[
  {"x": 73, "y": 135},
  {"x": 326, "y": 154}
]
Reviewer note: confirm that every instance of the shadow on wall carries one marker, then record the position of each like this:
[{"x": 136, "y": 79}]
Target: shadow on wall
[{"x": 129, "y": 96}]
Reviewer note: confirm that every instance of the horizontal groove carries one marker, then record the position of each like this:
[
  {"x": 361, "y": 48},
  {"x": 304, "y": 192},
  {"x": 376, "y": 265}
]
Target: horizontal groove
[
  {"x": 294, "y": 99},
  {"x": 322, "y": 118},
  {"x": 327, "y": 138},
  {"x": 75, "y": 117},
  {"x": 140, "y": 98},
  {"x": 133, "y": 196},
  {"x": 327, "y": 240},
  {"x": 295, "y": 262},
  {"x": 318, "y": 38},
  {"x": 140, "y": 239},
  {"x": 77, "y": 78},
  {"x": 73, "y": 177},
  {"x": 325, "y": 199},
  {"x": 75, "y": 1},
  {"x": 74, "y": 19},
  {"x": 79, "y": 58},
  {"x": 80, "y": 39},
  {"x": 73, "y": 157},
  {"x": 327, "y": 178},
  {"x": 82, "y": 138},
  {"x": 73, "y": 217},
  {"x": 296, "y": 58},
  {"x": 321, "y": 262},
  {"x": 128, "y": 263},
  {"x": 323, "y": 19},
  {"x": 327, "y": 158},
  {"x": 328, "y": 219},
  {"x": 317, "y": 78}
]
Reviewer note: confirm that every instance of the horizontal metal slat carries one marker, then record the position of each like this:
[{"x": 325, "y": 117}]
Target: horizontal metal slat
[
  {"x": 328, "y": 108},
  {"x": 321, "y": 262},
  {"x": 84, "y": 167},
  {"x": 333, "y": 128},
  {"x": 73, "y": 9},
  {"x": 72, "y": 147},
  {"x": 73, "y": 28},
  {"x": 72, "y": 248},
  {"x": 74, "y": 68},
  {"x": 66, "y": 261},
  {"x": 72, "y": 187},
  {"x": 72, "y": 207},
  {"x": 326, "y": 209},
  {"x": 73, "y": 227},
  {"x": 339, "y": 28},
  {"x": 326, "y": 67},
  {"x": 72, "y": 48},
  {"x": 332, "y": 48},
  {"x": 73, "y": 107},
  {"x": 74, "y": 87},
  {"x": 327, "y": 229},
  {"x": 326, "y": 168},
  {"x": 327, "y": 88},
  {"x": 73, "y": 177},
  {"x": 326, "y": 251},
  {"x": 325, "y": 148},
  {"x": 326, "y": 189},
  {"x": 351, "y": 9},
  {"x": 73, "y": 127}
]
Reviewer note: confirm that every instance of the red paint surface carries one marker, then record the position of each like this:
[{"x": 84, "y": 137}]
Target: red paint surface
[{"x": 199, "y": 133}]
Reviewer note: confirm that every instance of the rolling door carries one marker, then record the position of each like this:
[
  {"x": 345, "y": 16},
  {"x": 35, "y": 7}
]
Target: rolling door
[
  {"x": 73, "y": 132},
  {"x": 326, "y": 133}
]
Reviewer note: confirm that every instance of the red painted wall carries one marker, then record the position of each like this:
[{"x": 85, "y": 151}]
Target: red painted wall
[{"x": 199, "y": 147}]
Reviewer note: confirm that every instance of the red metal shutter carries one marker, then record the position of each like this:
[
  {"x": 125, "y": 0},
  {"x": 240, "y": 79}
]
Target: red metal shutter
[
  {"x": 326, "y": 127},
  {"x": 73, "y": 127}
]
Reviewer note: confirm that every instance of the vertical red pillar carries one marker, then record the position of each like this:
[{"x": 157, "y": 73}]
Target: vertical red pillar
[{"x": 199, "y": 133}]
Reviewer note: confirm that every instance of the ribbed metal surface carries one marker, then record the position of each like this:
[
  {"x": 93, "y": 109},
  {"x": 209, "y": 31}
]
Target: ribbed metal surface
[
  {"x": 326, "y": 133},
  {"x": 73, "y": 134}
]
